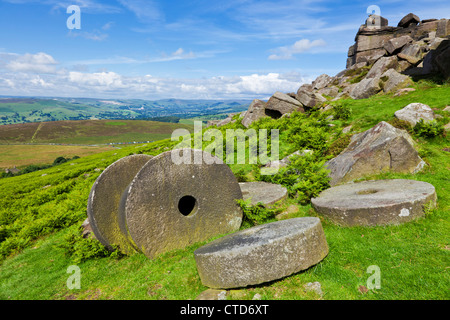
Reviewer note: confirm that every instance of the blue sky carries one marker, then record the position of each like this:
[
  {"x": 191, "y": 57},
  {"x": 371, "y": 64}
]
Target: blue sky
[{"x": 201, "y": 49}]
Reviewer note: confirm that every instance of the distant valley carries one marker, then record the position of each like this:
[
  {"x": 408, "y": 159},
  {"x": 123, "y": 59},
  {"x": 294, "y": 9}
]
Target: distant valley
[{"x": 15, "y": 110}]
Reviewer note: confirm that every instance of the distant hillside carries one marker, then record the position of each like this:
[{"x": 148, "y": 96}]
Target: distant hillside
[
  {"x": 22, "y": 110},
  {"x": 88, "y": 132}
]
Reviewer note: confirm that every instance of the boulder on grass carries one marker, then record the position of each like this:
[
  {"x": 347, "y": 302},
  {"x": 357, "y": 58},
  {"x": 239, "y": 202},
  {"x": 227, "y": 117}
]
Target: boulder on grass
[
  {"x": 413, "y": 112},
  {"x": 379, "y": 149}
]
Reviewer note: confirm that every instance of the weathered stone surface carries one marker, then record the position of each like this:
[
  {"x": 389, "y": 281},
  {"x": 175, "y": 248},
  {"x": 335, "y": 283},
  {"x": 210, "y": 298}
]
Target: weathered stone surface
[
  {"x": 263, "y": 253},
  {"x": 280, "y": 104},
  {"x": 379, "y": 149},
  {"x": 308, "y": 97},
  {"x": 365, "y": 88},
  {"x": 376, "y": 202},
  {"x": 381, "y": 66},
  {"x": 264, "y": 192},
  {"x": 372, "y": 41},
  {"x": 397, "y": 43},
  {"x": 172, "y": 203},
  {"x": 255, "y": 112},
  {"x": 104, "y": 200},
  {"x": 409, "y": 20},
  {"x": 321, "y": 81},
  {"x": 395, "y": 81},
  {"x": 332, "y": 91},
  {"x": 413, "y": 112},
  {"x": 227, "y": 120},
  {"x": 369, "y": 56},
  {"x": 443, "y": 28},
  {"x": 413, "y": 53}
]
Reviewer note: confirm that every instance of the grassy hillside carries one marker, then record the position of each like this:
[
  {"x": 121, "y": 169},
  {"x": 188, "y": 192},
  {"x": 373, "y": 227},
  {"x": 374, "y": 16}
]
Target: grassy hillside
[
  {"x": 88, "y": 131},
  {"x": 20, "y": 156},
  {"x": 41, "y": 213}
]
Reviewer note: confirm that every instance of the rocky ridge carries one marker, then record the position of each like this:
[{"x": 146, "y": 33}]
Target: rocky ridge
[{"x": 382, "y": 59}]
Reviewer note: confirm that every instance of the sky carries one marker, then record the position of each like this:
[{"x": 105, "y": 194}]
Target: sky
[{"x": 200, "y": 49}]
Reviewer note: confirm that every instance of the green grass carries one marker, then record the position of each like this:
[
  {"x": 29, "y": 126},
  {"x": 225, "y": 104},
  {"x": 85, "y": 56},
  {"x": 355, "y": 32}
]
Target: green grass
[{"x": 413, "y": 258}]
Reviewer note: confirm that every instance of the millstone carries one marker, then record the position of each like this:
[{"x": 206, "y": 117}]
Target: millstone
[
  {"x": 259, "y": 191},
  {"x": 170, "y": 206},
  {"x": 104, "y": 199},
  {"x": 379, "y": 202},
  {"x": 263, "y": 253}
]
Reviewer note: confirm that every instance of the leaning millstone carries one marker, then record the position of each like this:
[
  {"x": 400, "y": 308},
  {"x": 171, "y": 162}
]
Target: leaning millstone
[
  {"x": 413, "y": 112},
  {"x": 376, "y": 202},
  {"x": 263, "y": 253},
  {"x": 178, "y": 198},
  {"x": 262, "y": 192},
  {"x": 380, "y": 149},
  {"x": 104, "y": 200}
]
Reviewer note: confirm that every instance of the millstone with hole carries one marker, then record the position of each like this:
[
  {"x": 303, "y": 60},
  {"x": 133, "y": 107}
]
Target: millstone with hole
[
  {"x": 170, "y": 206},
  {"x": 263, "y": 253},
  {"x": 259, "y": 191},
  {"x": 104, "y": 200},
  {"x": 376, "y": 202}
]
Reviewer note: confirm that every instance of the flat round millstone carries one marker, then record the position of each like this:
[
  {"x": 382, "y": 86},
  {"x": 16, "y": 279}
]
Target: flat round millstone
[
  {"x": 170, "y": 206},
  {"x": 263, "y": 253},
  {"x": 104, "y": 200},
  {"x": 264, "y": 192},
  {"x": 375, "y": 202}
]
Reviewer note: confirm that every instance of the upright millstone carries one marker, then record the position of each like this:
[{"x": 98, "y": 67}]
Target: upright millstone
[
  {"x": 104, "y": 200},
  {"x": 376, "y": 202},
  {"x": 263, "y": 253},
  {"x": 172, "y": 204}
]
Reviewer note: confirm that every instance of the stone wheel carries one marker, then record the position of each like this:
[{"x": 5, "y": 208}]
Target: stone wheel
[
  {"x": 263, "y": 253},
  {"x": 376, "y": 202},
  {"x": 170, "y": 206},
  {"x": 104, "y": 200}
]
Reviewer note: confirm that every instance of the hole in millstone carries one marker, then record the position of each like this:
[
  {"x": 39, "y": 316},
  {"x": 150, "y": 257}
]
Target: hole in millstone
[
  {"x": 187, "y": 205},
  {"x": 368, "y": 191}
]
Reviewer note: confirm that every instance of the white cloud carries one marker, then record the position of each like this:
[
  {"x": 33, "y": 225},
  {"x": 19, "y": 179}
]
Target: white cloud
[
  {"x": 35, "y": 79},
  {"x": 33, "y": 63},
  {"x": 300, "y": 46}
]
